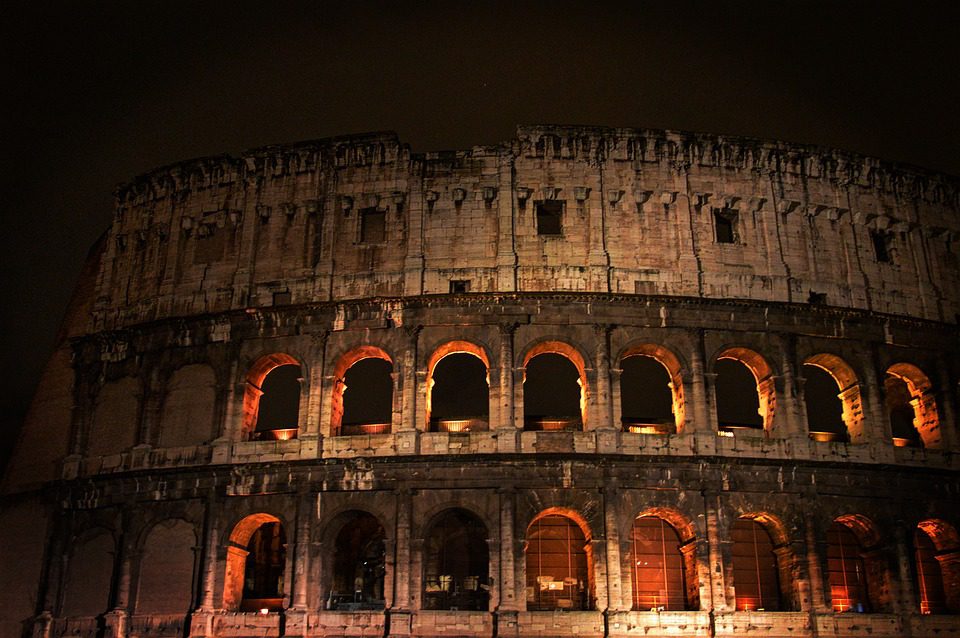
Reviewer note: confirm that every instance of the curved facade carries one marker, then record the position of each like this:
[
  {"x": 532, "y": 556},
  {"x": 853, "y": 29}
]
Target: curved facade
[{"x": 592, "y": 382}]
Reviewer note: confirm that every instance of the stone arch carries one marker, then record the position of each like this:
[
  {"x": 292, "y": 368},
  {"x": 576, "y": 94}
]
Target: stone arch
[
  {"x": 849, "y": 394},
  {"x": 355, "y": 572},
  {"x": 167, "y": 561},
  {"x": 116, "y": 417},
  {"x": 456, "y": 561},
  {"x": 574, "y": 356},
  {"x": 236, "y": 564},
  {"x": 762, "y": 373},
  {"x": 457, "y": 347},
  {"x": 186, "y": 418},
  {"x": 856, "y": 566},
  {"x": 89, "y": 576},
  {"x": 677, "y": 573},
  {"x": 762, "y": 562},
  {"x": 256, "y": 373},
  {"x": 926, "y": 420},
  {"x": 936, "y": 562},
  {"x": 340, "y": 368},
  {"x": 559, "y": 569},
  {"x": 671, "y": 363}
]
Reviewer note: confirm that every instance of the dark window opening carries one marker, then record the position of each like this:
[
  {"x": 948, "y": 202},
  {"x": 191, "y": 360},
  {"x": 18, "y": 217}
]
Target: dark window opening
[
  {"x": 373, "y": 226},
  {"x": 456, "y": 564},
  {"x": 901, "y": 411},
  {"x": 725, "y": 221},
  {"x": 263, "y": 569},
  {"x": 738, "y": 402},
  {"x": 282, "y": 298},
  {"x": 459, "y": 399},
  {"x": 359, "y": 565},
  {"x": 211, "y": 244},
  {"x": 756, "y": 577},
  {"x": 933, "y": 599},
  {"x": 846, "y": 571},
  {"x": 657, "y": 570},
  {"x": 549, "y": 217},
  {"x": 557, "y": 567},
  {"x": 551, "y": 394},
  {"x": 459, "y": 285},
  {"x": 824, "y": 407},
  {"x": 368, "y": 397},
  {"x": 646, "y": 399},
  {"x": 881, "y": 245},
  {"x": 279, "y": 408}
]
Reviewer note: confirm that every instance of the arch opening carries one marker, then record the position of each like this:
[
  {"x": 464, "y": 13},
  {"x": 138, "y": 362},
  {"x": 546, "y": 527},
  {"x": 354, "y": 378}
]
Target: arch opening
[
  {"x": 366, "y": 392},
  {"x": 648, "y": 396},
  {"x": 937, "y": 566},
  {"x": 911, "y": 407},
  {"x": 279, "y": 411},
  {"x": 553, "y": 393},
  {"x": 256, "y": 565},
  {"x": 825, "y": 407},
  {"x": 738, "y": 398},
  {"x": 659, "y": 566},
  {"x": 558, "y": 564},
  {"x": 847, "y": 573},
  {"x": 359, "y": 565},
  {"x": 459, "y": 394},
  {"x": 757, "y": 567},
  {"x": 456, "y": 563}
]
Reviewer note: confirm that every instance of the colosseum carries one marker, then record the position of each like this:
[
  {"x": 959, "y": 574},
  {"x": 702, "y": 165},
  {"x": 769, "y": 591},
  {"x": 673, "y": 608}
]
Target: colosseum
[{"x": 589, "y": 382}]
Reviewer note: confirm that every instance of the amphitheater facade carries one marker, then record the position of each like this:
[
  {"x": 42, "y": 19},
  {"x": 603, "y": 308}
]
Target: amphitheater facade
[{"x": 587, "y": 382}]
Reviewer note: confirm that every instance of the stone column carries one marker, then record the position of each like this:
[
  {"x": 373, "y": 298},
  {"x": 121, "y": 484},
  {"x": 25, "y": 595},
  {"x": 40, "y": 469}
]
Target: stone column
[
  {"x": 506, "y": 421},
  {"x": 611, "y": 514},
  {"x": 401, "y": 572},
  {"x": 301, "y": 563},
  {"x": 154, "y": 389},
  {"x": 719, "y": 552},
  {"x": 506, "y": 248},
  {"x": 602, "y": 419},
  {"x": 209, "y": 560},
  {"x": 702, "y": 410},
  {"x": 509, "y": 592},
  {"x": 407, "y": 435},
  {"x": 413, "y": 265},
  {"x": 788, "y": 402},
  {"x": 310, "y": 413},
  {"x": 906, "y": 602},
  {"x": 816, "y": 557}
]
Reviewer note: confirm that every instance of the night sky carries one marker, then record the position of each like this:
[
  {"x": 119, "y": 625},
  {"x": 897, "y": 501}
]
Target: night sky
[{"x": 98, "y": 92}]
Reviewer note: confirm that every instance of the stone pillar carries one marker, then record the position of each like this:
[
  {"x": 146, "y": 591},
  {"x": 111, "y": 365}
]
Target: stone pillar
[
  {"x": 946, "y": 408},
  {"x": 301, "y": 562},
  {"x": 611, "y": 514},
  {"x": 906, "y": 601},
  {"x": 506, "y": 420},
  {"x": 233, "y": 417},
  {"x": 719, "y": 552},
  {"x": 510, "y": 599},
  {"x": 602, "y": 417},
  {"x": 950, "y": 571},
  {"x": 211, "y": 548},
  {"x": 703, "y": 409},
  {"x": 154, "y": 390},
  {"x": 401, "y": 571},
  {"x": 506, "y": 248},
  {"x": 310, "y": 409},
  {"x": 876, "y": 423},
  {"x": 413, "y": 265},
  {"x": 616, "y": 399},
  {"x": 598, "y": 259},
  {"x": 793, "y": 426},
  {"x": 407, "y": 434},
  {"x": 816, "y": 559}
]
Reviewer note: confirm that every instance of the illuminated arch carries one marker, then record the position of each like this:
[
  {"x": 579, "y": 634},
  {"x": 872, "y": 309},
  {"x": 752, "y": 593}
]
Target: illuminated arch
[
  {"x": 668, "y": 555},
  {"x": 355, "y": 572},
  {"x": 443, "y": 351},
  {"x": 763, "y": 562},
  {"x": 559, "y": 569},
  {"x": 571, "y": 354},
  {"x": 925, "y": 418},
  {"x": 671, "y": 363},
  {"x": 236, "y": 567},
  {"x": 856, "y": 567},
  {"x": 762, "y": 373},
  {"x": 849, "y": 392},
  {"x": 937, "y": 565},
  {"x": 344, "y": 363},
  {"x": 253, "y": 387}
]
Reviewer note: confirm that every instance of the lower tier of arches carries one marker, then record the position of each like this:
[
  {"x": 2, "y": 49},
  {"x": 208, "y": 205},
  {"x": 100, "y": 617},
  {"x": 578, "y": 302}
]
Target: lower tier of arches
[{"x": 520, "y": 546}]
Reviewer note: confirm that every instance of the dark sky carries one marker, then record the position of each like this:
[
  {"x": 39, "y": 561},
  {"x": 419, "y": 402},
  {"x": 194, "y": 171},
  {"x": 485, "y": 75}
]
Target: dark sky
[{"x": 97, "y": 92}]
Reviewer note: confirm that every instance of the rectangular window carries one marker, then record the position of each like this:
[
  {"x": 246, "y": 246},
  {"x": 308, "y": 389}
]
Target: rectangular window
[
  {"x": 881, "y": 246},
  {"x": 549, "y": 217},
  {"x": 373, "y": 226},
  {"x": 725, "y": 221},
  {"x": 459, "y": 285},
  {"x": 282, "y": 298}
]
